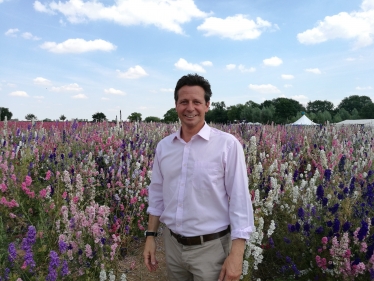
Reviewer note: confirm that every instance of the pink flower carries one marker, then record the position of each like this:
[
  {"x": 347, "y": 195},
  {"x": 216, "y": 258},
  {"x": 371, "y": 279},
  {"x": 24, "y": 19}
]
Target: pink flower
[
  {"x": 28, "y": 180},
  {"x": 3, "y": 187},
  {"x": 64, "y": 195},
  {"x": 133, "y": 200},
  {"x": 48, "y": 175},
  {"x": 43, "y": 193},
  {"x": 324, "y": 240}
]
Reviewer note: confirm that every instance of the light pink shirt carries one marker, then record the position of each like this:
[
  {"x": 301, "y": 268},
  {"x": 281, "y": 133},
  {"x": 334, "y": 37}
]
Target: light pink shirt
[{"x": 201, "y": 187}]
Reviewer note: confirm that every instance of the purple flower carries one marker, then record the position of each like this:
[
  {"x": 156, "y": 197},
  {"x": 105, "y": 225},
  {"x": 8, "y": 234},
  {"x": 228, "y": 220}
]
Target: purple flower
[
  {"x": 53, "y": 264},
  {"x": 62, "y": 246},
  {"x": 320, "y": 192},
  {"x": 319, "y": 230},
  {"x": 65, "y": 268},
  {"x": 346, "y": 226},
  {"x": 336, "y": 226},
  {"x": 12, "y": 252},
  {"x": 285, "y": 239},
  {"x": 300, "y": 213},
  {"x": 363, "y": 230},
  {"x": 334, "y": 209},
  {"x": 327, "y": 174}
]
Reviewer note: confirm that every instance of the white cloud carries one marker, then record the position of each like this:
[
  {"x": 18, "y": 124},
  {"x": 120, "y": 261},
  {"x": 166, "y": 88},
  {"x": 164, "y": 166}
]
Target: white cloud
[
  {"x": 350, "y": 59},
  {"x": 79, "y": 96},
  {"x": 182, "y": 64},
  {"x": 313, "y": 70},
  {"x": 12, "y": 32},
  {"x": 243, "y": 69},
  {"x": 41, "y": 81},
  {"x": 364, "y": 88},
  {"x": 19, "y": 94},
  {"x": 273, "y": 61},
  {"x": 164, "y": 14},
  {"x": 237, "y": 27},
  {"x": 112, "y": 91},
  {"x": 67, "y": 88},
  {"x": 207, "y": 63},
  {"x": 301, "y": 98},
  {"x": 170, "y": 90},
  {"x": 38, "y": 97},
  {"x": 11, "y": 85},
  {"x": 287, "y": 76},
  {"x": 133, "y": 73},
  {"x": 264, "y": 89},
  {"x": 143, "y": 107},
  {"x": 287, "y": 86},
  {"x": 29, "y": 36},
  {"x": 356, "y": 25},
  {"x": 78, "y": 46},
  {"x": 230, "y": 66},
  {"x": 103, "y": 98}
]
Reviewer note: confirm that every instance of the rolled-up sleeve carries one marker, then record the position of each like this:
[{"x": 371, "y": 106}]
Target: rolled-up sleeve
[
  {"x": 236, "y": 182},
  {"x": 155, "y": 194}
]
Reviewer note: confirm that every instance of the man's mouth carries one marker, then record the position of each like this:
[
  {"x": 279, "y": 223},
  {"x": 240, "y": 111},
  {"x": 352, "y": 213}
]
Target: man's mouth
[{"x": 190, "y": 116}]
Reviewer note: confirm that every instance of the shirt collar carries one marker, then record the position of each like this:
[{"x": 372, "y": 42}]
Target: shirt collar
[{"x": 204, "y": 133}]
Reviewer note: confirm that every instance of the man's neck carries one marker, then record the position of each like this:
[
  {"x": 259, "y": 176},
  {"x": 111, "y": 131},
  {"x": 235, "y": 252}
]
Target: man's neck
[{"x": 187, "y": 134}]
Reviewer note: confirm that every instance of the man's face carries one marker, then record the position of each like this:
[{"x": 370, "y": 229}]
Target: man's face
[{"x": 191, "y": 107}]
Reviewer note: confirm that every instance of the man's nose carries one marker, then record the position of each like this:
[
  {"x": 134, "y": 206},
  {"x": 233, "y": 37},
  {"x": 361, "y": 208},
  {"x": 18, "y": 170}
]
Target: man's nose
[{"x": 190, "y": 106}]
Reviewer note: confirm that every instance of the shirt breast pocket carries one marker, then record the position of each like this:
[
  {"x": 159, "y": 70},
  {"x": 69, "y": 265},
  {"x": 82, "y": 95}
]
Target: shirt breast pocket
[{"x": 206, "y": 175}]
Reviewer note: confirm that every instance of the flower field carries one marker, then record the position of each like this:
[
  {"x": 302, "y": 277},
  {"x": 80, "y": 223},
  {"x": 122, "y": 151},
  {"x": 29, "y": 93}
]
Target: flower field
[{"x": 73, "y": 198}]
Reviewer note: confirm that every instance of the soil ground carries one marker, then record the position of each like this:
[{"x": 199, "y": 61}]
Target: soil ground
[{"x": 133, "y": 263}]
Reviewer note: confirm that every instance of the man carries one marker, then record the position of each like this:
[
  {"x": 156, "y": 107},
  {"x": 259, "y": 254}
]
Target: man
[{"x": 199, "y": 190}]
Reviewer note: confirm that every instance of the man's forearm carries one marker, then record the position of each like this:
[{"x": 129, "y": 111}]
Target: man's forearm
[
  {"x": 238, "y": 247},
  {"x": 153, "y": 223}
]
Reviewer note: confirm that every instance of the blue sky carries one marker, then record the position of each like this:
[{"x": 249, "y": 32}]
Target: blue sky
[{"x": 80, "y": 57}]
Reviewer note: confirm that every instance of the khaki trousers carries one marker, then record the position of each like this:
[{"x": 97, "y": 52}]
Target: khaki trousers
[{"x": 195, "y": 263}]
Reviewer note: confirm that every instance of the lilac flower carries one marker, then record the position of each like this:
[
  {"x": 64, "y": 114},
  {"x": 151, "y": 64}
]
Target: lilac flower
[
  {"x": 62, "y": 246},
  {"x": 53, "y": 265},
  {"x": 27, "y": 244},
  {"x": 65, "y": 268},
  {"x": 325, "y": 201},
  {"x": 12, "y": 253},
  {"x": 271, "y": 242},
  {"x": 285, "y": 239},
  {"x": 297, "y": 226}
]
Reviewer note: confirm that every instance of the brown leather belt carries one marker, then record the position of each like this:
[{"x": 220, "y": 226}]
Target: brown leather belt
[{"x": 198, "y": 240}]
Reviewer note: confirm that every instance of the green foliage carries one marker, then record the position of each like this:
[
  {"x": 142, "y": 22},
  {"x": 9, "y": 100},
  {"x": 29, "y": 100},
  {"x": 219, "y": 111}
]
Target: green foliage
[
  {"x": 352, "y": 102},
  {"x": 171, "y": 116},
  {"x": 218, "y": 114},
  {"x": 367, "y": 112},
  {"x": 5, "y": 112},
  {"x": 62, "y": 117},
  {"x": 135, "y": 117},
  {"x": 31, "y": 116},
  {"x": 152, "y": 119},
  {"x": 98, "y": 117},
  {"x": 320, "y": 106}
]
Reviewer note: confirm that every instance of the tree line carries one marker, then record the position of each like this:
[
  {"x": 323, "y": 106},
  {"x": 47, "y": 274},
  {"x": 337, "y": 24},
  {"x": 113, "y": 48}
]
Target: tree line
[{"x": 278, "y": 111}]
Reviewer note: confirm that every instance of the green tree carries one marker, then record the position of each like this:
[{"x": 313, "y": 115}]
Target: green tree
[
  {"x": 152, "y": 119},
  {"x": 353, "y": 102},
  {"x": 256, "y": 115},
  {"x": 5, "y": 112},
  {"x": 337, "y": 118},
  {"x": 171, "y": 116},
  {"x": 234, "y": 112},
  {"x": 355, "y": 114},
  {"x": 344, "y": 114},
  {"x": 246, "y": 113},
  {"x": 218, "y": 114},
  {"x": 267, "y": 114},
  {"x": 135, "y": 116},
  {"x": 62, "y": 117},
  {"x": 367, "y": 112},
  {"x": 30, "y": 117},
  {"x": 285, "y": 109},
  {"x": 98, "y": 117},
  {"x": 47, "y": 120},
  {"x": 319, "y": 105}
]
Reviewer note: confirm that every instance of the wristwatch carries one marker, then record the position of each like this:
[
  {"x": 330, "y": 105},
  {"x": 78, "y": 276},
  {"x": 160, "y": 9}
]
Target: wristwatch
[{"x": 150, "y": 233}]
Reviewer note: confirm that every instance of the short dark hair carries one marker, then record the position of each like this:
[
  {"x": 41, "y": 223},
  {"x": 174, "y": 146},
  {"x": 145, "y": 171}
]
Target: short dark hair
[{"x": 193, "y": 80}]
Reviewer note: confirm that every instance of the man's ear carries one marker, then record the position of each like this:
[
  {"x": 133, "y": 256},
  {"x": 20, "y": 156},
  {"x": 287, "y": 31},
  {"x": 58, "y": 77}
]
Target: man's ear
[{"x": 208, "y": 106}]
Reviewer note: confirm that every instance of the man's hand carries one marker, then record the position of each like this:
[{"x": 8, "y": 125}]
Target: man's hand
[
  {"x": 232, "y": 267},
  {"x": 150, "y": 253}
]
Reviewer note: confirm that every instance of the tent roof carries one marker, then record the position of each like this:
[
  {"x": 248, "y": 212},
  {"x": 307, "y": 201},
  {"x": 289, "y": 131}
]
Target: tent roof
[
  {"x": 304, "y": 121},
  {"x": 357, "y": 122}
]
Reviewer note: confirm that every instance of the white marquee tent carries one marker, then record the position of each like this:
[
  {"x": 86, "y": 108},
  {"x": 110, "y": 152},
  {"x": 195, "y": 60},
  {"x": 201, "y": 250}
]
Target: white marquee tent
[
  {"x": 304, "y": 121},
  {"x": 369, "y": 122}
]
